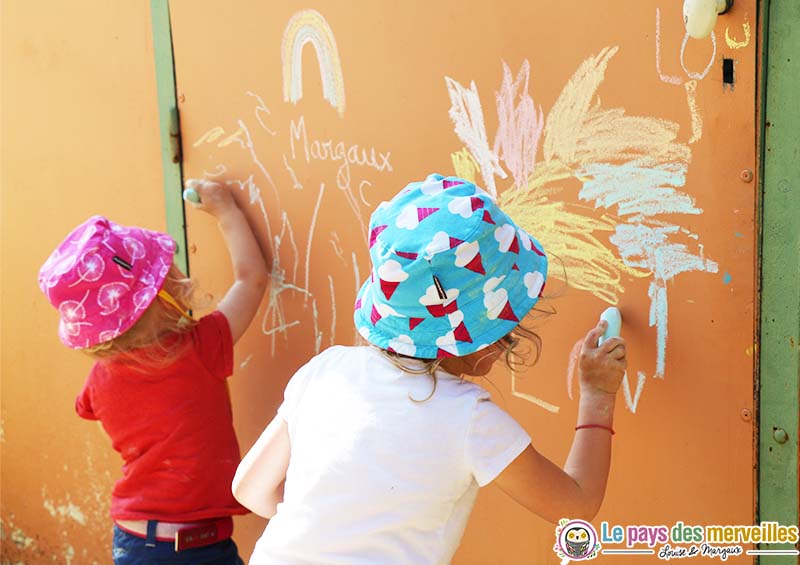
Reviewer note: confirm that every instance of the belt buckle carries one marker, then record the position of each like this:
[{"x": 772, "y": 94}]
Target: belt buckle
[{"x": 196, "y": 536}]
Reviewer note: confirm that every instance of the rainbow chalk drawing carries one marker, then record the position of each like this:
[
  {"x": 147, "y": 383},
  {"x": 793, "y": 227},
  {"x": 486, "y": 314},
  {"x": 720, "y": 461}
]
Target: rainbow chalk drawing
[
  {"x": 308, "y": 26},
  {"x": 631, "y": 168}
]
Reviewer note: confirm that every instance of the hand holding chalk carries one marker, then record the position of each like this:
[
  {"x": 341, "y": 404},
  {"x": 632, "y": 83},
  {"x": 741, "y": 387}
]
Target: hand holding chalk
[
  {"x": 613, "y": 318},
  {"x": 191, "y": 195}
]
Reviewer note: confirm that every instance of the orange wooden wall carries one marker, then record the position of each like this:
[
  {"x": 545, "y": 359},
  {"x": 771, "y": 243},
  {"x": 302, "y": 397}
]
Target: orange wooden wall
[{"x": 82, "y": 139}]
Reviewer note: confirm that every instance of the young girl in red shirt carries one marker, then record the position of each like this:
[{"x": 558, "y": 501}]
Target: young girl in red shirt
[{"x": 158, "y": 387}]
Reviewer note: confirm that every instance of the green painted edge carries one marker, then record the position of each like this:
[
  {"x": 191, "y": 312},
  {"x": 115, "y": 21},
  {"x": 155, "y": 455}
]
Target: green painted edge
[
  {"x": 779, "y": 358},
  {"x": 169, "y": 126}
]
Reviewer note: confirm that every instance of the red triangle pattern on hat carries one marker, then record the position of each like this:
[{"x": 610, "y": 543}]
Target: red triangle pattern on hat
[
  {"x": 487, "y": 217},
  {"x": 541, "y": 290},
  {"x": 442, "y": 354},
  {"x": 374, "y": 315},
  {"x": 373, "y": 236},
  {"x": 455, "y": 242},
  {"x": 441, "y": 310},
  {"x": 388, "y": 288},
  {"x": 514, "y": 247},
  {"x": 423, "y": 213},
  {"x": 476, "y": 265},
  {"x": 461, "y": 333},
  {"x": 358, "y": 304},
  {"x": 508, "y": 313},
  {"x": 414, "y": 322},
  {"x": 515, "y": 267},
  {"x": 476, "y": 202},
  {"x": 535, "y": 250},
  {"x": 407, "y": 254},
  {"x": 450, "y": 183}
]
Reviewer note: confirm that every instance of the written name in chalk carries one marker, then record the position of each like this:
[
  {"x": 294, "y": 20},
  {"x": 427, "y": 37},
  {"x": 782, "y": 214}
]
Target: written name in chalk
[{"x": 330, "y": 150}]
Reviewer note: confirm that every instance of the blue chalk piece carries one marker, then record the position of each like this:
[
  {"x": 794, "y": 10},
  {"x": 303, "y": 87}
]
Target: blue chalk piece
[
  {"x": 613, "y": 318},
  {"x": 737, "y": 234},
  {"x": 727, "y": 278},
  {"x": 191, "y": 195}
]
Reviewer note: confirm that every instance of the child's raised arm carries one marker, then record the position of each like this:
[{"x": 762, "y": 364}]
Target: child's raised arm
[
  {"x": 577, "y": 491},
  {"x": 250, "y": 273}
]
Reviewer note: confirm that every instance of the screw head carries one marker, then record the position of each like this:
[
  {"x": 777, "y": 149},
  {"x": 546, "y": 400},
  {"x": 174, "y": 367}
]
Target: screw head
[
  {"x": 780, "y": 435},
  {"x": 746, "y": 175},
  {"x": 182, "y": 98},
  {"x": 747, "y": 415}
]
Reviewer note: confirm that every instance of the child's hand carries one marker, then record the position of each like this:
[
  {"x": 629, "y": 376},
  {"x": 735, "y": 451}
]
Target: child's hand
[
  {"x": 601, "y": 368},
  {"x": 215, "y": 198}
]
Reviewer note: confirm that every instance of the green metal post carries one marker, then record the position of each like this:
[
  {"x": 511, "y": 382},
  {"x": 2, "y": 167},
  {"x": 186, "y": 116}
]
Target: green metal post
[
  {"x": 170, "y": 129},
  {"x": 780, "y": 271}
]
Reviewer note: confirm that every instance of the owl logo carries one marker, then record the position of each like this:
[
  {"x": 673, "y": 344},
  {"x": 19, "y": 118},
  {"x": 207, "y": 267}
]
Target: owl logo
[{"x": 576, "y": 541}]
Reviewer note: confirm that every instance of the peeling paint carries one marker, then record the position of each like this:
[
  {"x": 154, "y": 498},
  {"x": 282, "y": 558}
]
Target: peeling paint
[{"x": 68, "y": 510}]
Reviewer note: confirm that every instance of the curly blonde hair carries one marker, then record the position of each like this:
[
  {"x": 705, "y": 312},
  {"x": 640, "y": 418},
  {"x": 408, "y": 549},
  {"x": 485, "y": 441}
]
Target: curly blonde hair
[
  {"x": 514, "y": 358},
  {"x": 154, "y": 341}
]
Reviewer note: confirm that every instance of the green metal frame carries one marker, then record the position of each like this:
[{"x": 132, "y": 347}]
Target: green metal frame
[
  {"x": 780, "y": 270},
  {"x": 170, "y": 129}
]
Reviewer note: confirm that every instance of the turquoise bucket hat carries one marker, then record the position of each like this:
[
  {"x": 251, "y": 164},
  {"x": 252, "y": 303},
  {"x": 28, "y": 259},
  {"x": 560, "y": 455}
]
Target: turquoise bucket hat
[{"x": 451, "y": 272}]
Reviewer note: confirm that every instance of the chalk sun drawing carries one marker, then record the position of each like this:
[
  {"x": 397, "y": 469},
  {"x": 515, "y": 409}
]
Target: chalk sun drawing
[
  {"x": 631, "y": 167},
  {"x": 308, "y": 26}
]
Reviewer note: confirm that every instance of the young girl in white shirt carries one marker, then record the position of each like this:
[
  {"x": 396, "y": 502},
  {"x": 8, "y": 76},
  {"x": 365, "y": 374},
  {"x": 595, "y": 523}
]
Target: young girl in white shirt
[{"x": 377, "y": 452}]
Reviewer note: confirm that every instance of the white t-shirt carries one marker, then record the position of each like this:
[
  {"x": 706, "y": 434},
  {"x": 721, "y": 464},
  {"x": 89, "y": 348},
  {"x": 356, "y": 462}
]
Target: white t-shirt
[{"x": 375, "y": 477}]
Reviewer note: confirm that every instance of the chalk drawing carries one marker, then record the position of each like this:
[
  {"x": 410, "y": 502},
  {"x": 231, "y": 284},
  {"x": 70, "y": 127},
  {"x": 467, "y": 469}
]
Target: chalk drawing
[
  {"x": 247, "y": 360},
  {"x": 261, "y": 108},
  {"x": 520, "y": 125},
  {"x": 295, "y": 183},
  {"x": 631, "y": 167},
  {"x": 218, "y": 171},
  {"x": 308, "y": 26},
  {"x": 337, "y": 245},
  {"x": 467, "y": 116},
  {"x": 669, "y": 79},
  {"x": 732, "y": 43},
  {"x": 361, "y": 186},
  {"x": 210, "y": 136},
  {"x": 464, "y": 165},
  {"x": 632, "y": 402},
  {"x": 333, "y": 310},
  {"x": 694, "y": 111},
  {"x": 700, "y": 75},
  {"x": 311, "y": 232},
  {"x": 552, "y": 408}
]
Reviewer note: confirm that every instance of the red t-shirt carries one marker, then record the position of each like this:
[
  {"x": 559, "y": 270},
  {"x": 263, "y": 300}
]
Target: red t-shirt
[{"x": 173, "y": 428}]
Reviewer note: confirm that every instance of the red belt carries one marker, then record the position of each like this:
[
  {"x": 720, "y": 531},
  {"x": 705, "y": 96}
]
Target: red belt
[{"x": 186, "y": 535}]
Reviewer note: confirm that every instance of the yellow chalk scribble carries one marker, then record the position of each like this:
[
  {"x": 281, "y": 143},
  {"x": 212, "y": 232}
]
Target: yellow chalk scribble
[
  {"x": 210, "y": 136},
  {"x": 732, "y": 43},
  {"x": 231, "y": 138},
  {"x": 694, "y": 111},
  {"x": 569, "y": 234},
  {"x": 464, "y": 164},
  {"x": 579, "y": 131}
]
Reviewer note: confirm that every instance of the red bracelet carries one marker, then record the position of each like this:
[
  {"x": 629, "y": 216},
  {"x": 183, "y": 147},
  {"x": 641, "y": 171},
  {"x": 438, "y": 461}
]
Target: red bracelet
[{"x": 584, "y": 426}]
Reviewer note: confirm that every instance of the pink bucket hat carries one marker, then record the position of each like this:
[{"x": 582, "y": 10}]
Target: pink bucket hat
[{"x": 102, "y": 278}]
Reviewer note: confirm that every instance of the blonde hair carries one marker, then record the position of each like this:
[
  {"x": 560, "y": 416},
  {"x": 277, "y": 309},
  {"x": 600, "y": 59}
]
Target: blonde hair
[
  {"x": 513, "y": 357},
  {"x": 154, "y": 341}
]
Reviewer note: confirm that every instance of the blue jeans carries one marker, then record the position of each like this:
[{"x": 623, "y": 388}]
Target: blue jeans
[{"x": 132, "y": 550}]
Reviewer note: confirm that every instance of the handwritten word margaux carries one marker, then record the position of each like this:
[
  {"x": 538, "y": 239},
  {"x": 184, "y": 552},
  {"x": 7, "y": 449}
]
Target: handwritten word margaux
[
  {"x": 765, "y": 533},
  {"x": 332, "y": 150}
]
